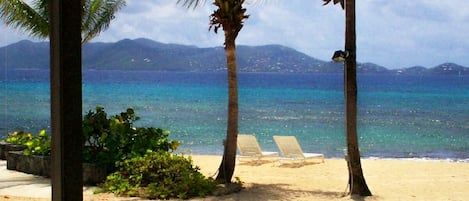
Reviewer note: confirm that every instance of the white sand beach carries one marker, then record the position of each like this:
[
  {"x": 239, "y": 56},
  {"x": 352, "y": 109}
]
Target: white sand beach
[{"x": 388, "y": 179}]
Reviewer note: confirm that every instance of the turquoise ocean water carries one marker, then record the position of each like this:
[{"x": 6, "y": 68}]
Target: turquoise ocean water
[{"x": 399, "y": 116}]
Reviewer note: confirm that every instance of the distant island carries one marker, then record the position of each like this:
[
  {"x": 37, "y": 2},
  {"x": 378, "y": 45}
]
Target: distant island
[{"x": 145, "y": 54}]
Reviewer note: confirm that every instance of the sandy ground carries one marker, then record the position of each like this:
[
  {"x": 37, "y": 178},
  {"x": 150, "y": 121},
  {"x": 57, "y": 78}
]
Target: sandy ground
[{"x": 387, "y": 180}]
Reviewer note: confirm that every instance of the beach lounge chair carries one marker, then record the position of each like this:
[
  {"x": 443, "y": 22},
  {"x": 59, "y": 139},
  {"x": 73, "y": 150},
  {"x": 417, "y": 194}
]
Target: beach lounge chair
[
  {"x": 248, "y": 147},
  {"x": 290, "y": 150}
]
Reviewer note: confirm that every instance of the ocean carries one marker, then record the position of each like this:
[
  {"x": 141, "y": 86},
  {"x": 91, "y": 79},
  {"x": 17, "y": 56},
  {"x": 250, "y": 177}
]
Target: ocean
[{"x": 399, "y": 116}]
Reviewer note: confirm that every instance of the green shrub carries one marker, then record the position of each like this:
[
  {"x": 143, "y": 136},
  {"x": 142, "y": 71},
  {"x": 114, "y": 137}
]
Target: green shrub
[
  {"x": 39, "y": 145},
  {"x": 159, "y": 175},
  {"x": 18, "y": 137},
  {"x": 95, "y": 127},
  {"x": 129, "y": 141},
  {"x": 109, "y": 140},
  {"x": 35, "y": 145}
]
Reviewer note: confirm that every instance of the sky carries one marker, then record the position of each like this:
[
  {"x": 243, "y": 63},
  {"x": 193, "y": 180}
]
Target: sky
[{"x": 393, "y": 34}]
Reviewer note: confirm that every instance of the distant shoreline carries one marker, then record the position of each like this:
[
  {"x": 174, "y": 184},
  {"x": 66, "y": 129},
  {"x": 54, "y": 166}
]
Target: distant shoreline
[
  {"x": 146, "y": 54},
  {"x": 395, "y": 73}
]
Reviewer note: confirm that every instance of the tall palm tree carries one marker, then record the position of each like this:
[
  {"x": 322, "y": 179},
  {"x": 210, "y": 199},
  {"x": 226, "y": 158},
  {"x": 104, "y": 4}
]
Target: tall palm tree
[
  {"x": 34, "y": 18},
  {"x": 229, "y": 16},
  {"x": 357, "y": 183}
]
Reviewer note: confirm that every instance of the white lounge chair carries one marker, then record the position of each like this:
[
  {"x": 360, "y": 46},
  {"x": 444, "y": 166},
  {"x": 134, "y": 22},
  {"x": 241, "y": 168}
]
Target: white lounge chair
[
  {"x": 290, "y": 149},
  {"x": 248, "y": 147}
]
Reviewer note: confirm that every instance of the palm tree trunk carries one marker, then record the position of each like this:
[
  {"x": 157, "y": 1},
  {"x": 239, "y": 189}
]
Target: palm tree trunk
[
  {"x": 356, "y": 179},
  {"x": 227, "y": 166}
]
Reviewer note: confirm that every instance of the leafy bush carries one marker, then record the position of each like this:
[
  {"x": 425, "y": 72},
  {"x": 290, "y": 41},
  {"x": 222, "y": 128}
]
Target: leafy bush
[
  {"x": 18, "y": 137},
  {"x": 39, "y": 145},
  {"x": 95, "y": 129},
  {"x": 159, "y": 175},
  {"x": 109, "y": 140}
]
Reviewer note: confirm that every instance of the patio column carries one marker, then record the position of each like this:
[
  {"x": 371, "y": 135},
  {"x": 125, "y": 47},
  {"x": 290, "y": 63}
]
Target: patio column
[{"x": 66, "y": 99}]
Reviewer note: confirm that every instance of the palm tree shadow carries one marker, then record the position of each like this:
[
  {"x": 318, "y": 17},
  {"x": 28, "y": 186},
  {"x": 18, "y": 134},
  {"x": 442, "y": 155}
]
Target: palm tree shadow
[{"x": 277, "y": 192}]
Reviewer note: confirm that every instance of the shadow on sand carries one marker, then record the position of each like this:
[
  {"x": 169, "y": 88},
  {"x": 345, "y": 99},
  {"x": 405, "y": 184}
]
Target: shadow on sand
[{"x": 275, "y": 192}]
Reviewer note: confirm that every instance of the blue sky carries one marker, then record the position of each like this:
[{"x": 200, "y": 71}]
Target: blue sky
[{"x": 394, "y": 34}]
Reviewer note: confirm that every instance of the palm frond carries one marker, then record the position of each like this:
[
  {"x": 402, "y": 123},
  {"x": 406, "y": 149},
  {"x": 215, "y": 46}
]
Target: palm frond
[
  {"x": 42, "y": 8},
  {"x": 190, "y": 3},
  {"x": 229, "y": 15},
  {"x": 342, "y": 2},
  {"x": 34, "y": 20},
  {"x": 18, "y": 14},
  {"x": 97, "y": 16}
]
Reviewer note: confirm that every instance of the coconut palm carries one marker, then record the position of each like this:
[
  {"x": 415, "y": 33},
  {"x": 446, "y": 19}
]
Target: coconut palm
[
  {"x": 229, "y": 16},
  {"x": 33, "y": 18},
  {"x": 357, "y": 183}
]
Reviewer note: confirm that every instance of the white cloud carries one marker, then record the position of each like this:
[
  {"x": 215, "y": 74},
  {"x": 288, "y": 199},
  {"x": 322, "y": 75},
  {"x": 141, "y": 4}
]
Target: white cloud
[
  {"x": 390, "y": 33},
  {"x": 412, "y": 32}
]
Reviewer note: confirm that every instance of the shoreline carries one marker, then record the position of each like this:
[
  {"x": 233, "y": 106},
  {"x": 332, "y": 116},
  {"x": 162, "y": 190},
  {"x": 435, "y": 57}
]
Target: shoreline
[
  {"x": 449, "y": 160},
  {"x": 455, "y": 160}
]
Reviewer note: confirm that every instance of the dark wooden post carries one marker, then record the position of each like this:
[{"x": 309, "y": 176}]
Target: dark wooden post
[{"x": 66, "y": 100}]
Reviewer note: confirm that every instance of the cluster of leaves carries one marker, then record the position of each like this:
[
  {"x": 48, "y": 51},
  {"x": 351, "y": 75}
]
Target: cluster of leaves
[
  {"x": 18, "y": 137},
  {"x": 35, "y": 145},
  {"x": 159, "y": 175},
  {"x": 39, "y": 145},
  {"x": 229, "y": 15},
  {"x": 109, "y": 140},
  {"x": 96, "y": 128}
]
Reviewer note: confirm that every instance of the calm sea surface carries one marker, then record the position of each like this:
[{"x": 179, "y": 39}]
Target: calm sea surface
[{"x": 398, "y": 116}]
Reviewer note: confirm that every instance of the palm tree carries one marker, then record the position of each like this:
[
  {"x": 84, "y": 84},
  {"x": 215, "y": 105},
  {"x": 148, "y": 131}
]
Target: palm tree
[
  {"x": 229, "y": 16},
  {"x": 34, "y": 18},
  {"x": 357, "y": 183}
]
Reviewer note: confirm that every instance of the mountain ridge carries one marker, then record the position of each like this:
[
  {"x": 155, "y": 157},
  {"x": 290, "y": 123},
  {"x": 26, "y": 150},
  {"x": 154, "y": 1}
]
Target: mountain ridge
[{"x": 146, "y": 54}]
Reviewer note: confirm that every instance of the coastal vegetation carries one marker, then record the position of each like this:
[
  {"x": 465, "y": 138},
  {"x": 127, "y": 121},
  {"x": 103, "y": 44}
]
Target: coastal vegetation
[
  {"x": 18, "y": 137},
  {"x": 139, "y": 161},
  {"x": 106, "y": 139},
  {"x": 159, "y": 175},
  {"x": 39, "y": 144},
  {"x": 112, "y": 139},
  {"x": 14, "y": 142},
  {"x": 34, "y": 155}
]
